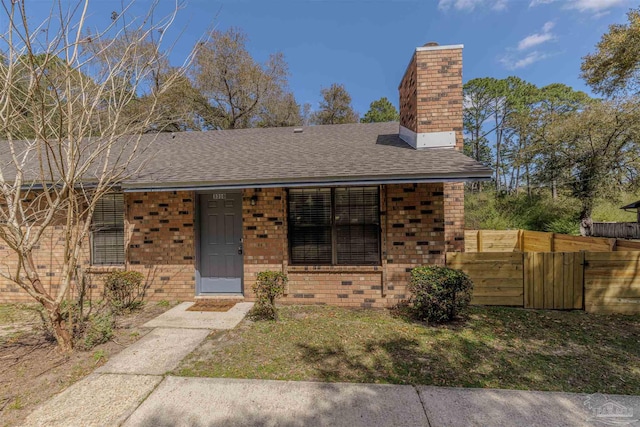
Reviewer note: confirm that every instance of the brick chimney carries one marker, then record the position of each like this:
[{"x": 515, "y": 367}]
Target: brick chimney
[
  {"x": 431, "y": 98},
  {"x": 431, "y": 117}
]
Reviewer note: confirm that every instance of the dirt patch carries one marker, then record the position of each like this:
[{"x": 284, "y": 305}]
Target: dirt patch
[
  {"x": 31, "y": 368},
  {"x": 213, "y": 305}
]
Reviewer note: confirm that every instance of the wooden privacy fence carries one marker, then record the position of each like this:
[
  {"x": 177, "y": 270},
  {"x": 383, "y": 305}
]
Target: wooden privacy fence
[
  {"x": 497, "y": 277},
  {"x": 537, "y": 241},
  {"x": 553, "y": 280},
  {"x": 618, "y": 230},
  {"x": 599, "y": 282}
]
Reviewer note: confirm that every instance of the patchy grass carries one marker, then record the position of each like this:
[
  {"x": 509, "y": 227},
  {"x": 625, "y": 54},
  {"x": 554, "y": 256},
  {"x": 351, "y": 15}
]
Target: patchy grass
[{"x": 492, "y": 347}]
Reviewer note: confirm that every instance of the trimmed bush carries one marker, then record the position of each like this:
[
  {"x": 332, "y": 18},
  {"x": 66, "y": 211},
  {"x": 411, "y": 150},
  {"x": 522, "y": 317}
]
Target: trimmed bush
[
  {"x": 269, "y": 286},
  {"x": 124, "y": 290},
  {"x": 438, "y": 294}
]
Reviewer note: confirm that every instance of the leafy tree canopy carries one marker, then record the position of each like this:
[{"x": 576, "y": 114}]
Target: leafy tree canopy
[
  {"x": 615, "y": 66},
  {"x": 381, "y": 110}
]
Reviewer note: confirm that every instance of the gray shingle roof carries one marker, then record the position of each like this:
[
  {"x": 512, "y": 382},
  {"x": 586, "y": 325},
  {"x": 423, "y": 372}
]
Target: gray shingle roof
[{"x": 320, "y": 154}]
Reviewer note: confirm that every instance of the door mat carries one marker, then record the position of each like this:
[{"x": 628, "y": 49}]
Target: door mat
[{"x": 213, "y": 305}]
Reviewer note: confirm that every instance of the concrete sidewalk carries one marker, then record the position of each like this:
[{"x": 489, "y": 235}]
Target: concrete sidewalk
[
  {"x": 210, "y": 402},
  {"x": 116, "y": 399}
]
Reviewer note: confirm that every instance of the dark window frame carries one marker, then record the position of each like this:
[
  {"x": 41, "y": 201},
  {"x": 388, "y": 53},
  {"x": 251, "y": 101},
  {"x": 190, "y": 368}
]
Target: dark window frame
[
  {"x": 106, "y": 229},
  {"x": 334, "y": 226}
]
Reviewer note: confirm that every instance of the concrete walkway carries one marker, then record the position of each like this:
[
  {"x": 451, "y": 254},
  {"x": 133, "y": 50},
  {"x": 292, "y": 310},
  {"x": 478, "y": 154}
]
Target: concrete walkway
[
  {"x": 179, "y": 317},
  {"x": 132, "y": 389},
  {"x": 109, "y": 395}
]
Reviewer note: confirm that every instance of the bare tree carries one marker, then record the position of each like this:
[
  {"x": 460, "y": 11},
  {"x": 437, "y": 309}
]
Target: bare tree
[
  {"x": 235, "y": 87},
  {"x": 68, "y": 135},
  {"x": 335, "y": 107}
]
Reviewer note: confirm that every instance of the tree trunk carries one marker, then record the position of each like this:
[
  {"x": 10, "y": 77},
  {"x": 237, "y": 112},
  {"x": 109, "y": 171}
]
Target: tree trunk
[
  {"x": 585, "y": 219},
  {"x": 528, "y": 181},
  {"x": 59, "y": 327}
]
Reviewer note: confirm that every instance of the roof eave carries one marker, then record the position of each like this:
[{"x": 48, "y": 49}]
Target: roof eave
[{"x": 304, "y": 182}]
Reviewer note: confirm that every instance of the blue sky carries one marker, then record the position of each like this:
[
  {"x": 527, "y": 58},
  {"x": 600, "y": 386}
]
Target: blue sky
[{"x": 366, "y": 44}]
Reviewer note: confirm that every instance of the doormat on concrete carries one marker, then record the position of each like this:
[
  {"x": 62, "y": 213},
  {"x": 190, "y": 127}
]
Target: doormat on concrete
[{"x": 212, "y": 305}]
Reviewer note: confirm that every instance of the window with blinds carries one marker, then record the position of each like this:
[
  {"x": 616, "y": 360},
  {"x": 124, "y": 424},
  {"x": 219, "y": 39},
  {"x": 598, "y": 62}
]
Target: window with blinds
[
  {"x": 334, "y": 226},
  {"x": 107, "y": 230}
]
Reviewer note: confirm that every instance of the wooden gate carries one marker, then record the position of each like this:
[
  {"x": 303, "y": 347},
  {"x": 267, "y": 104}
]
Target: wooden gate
[{"x": 554, "y": 280}]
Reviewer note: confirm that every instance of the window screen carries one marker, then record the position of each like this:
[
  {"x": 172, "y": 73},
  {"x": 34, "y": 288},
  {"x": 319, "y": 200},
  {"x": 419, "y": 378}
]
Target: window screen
[
  {"x": 107, "y": 237},
  {"x": 334, "y": 225}
]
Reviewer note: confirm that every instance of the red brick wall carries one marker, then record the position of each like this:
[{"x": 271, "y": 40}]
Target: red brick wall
[
  {"x": 408, "y": 90},
  {"x": 413, "y": 233},
  {"x": 160, "y": 242},
  {"x": 48, "y": 256}
]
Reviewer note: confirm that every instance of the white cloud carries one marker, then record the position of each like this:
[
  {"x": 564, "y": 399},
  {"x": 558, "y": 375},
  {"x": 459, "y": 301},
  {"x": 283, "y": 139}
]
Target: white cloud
[
  {"x": 499, "y": 5},
  {"x": 595, "y": 5},
  {"x": 514, "y": 63},
  {"x": 534, "y": 3},
  {"x": 538, "y": 38},
  {"x": 599, "y": 7},
  {"x": 471, "y": 5}
]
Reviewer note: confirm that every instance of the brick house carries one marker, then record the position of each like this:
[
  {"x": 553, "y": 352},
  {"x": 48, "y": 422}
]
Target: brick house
[{"x": 345, "y": 210}]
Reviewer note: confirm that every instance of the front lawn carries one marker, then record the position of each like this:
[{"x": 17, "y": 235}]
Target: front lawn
[{"x": 492, "y": 347}]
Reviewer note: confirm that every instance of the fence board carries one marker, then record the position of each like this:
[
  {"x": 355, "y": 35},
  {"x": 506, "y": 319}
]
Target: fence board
[
  {"x": 497, "y": 277},
  {"x": 627, "y": 245},
  {"x": 491, "y": 240},
  {"x": 558, "y": 281},
  {"x": 612, "y": 282},
  {"x": 538, "y": 241},
  {"x": 578, "y": 280},
  {"x": 567, "y": 279},
  {"x": 538, "y": 281},
  {"x": 565, "y": 243},
  {"x": 528, "y": 279}
]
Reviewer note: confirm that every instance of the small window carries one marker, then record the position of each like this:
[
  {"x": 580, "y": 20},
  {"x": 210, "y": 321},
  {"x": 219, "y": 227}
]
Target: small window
[
  {"x": 107, "y": 231},
  {"x": 338, "y": 226}
]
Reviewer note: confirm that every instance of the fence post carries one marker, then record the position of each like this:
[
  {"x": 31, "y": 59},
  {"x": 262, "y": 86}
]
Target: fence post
[
  {"x": 552, "y": 242},
  {"x": 479, "y": 238},
  {"x": 521, "y": 240}
]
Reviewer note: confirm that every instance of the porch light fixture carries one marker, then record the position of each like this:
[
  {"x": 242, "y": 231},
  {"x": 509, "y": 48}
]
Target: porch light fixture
[{"x": 254, "y": 199}]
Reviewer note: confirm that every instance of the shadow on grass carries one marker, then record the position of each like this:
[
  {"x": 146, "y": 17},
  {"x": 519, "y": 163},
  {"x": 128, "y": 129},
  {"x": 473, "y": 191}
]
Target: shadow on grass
[{"x": 502, "y": 353}]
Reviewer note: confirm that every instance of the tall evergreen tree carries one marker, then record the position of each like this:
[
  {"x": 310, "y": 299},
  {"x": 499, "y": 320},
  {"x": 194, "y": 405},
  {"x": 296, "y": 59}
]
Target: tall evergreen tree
[{"x": 381, "y": 110}]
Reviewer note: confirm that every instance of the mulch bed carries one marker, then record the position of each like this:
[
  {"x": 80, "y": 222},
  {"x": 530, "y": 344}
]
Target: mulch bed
[{"x": 213, "y": 305}]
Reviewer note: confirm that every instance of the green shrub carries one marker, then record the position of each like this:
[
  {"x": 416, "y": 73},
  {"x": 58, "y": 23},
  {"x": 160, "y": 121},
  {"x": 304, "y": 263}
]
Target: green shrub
[
  {"x": 124, "y": 290},
  {"x": 99, "y": 330},
  {"x": 563, "y": 226},
  {"x": 269, "y": 286},
  {"x": 438, "y": 294}
]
